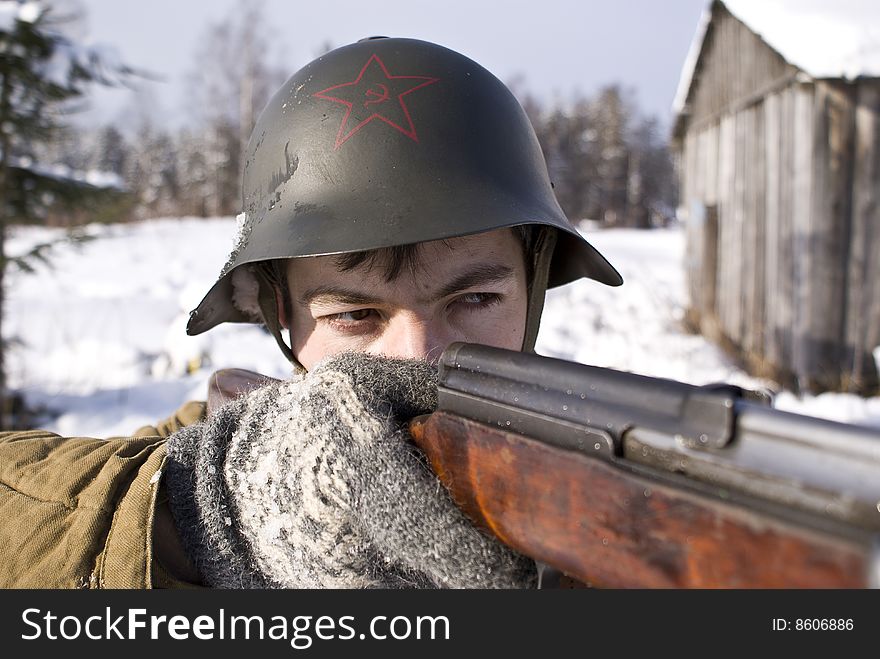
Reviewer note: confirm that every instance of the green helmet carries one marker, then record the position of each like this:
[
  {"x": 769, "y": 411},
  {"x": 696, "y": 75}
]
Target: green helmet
[{"x": 390, "y": 142}]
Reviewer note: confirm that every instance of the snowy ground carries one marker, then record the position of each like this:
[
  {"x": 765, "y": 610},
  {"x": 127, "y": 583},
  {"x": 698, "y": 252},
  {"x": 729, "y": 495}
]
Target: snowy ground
[{"x": 100, "y": 339}]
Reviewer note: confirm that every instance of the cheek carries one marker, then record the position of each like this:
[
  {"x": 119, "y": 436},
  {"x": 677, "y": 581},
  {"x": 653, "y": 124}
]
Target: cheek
[
  {"x": 309, "y": 343},
  {"x": 313, "y": 341},
  {"x": 502, "y": 326}
]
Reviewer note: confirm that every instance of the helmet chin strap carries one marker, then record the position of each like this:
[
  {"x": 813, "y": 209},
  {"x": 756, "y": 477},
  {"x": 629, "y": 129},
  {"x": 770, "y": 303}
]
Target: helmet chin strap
[
  {"x": 543, "y": 254},
  {"x": 269, "y": 308}
]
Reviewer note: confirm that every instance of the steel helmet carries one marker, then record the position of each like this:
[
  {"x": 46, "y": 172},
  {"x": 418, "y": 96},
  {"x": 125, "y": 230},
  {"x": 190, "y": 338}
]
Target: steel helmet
[{"x": 389, "y": 142}]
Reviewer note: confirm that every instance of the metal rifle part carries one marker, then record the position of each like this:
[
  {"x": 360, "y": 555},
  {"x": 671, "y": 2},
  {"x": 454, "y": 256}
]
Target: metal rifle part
[{"x": 815, "y": 472}]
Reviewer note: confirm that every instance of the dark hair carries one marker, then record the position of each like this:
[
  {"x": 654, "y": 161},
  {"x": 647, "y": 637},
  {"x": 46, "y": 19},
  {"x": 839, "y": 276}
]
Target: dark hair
[{"x": 394, "y": 260}]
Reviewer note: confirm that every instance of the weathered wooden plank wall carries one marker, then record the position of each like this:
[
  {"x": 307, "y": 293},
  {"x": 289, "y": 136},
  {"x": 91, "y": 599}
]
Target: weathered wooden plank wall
[
  {"x": 756, "y": 322},
  {"x": 801, "y": 228},
  {"x": 729, "y": 233},
  {"x": 736, "y": 63},
  {"x": 693, "y": 256},
  {"x": 832, "y": 144},
  {"x": 863, "y": 288},
  {"x": 786, "y": 319},
  {"x": 791, "y": 169},
  {"x": 777, "y": 308}
]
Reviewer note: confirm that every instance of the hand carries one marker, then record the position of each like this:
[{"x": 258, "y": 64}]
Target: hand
[{"x": 329, "y": 491}]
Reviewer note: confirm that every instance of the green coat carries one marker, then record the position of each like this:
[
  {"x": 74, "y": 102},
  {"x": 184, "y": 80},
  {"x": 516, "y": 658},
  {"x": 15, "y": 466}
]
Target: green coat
[{"x": 82, "y": 513}]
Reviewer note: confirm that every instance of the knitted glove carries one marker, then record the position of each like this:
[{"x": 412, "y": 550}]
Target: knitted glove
[{"x": 314, "y": 483}]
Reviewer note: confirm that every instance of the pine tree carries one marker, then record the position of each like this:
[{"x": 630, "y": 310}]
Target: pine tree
[
  {"x": 112, "y": 151},
  {"x": 41, "y": 70}
]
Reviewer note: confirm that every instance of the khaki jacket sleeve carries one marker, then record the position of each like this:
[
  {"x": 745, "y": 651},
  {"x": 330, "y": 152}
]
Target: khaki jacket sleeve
[
  {"x": 186, "y": 415},
  {"x": 77, "y": 512}
]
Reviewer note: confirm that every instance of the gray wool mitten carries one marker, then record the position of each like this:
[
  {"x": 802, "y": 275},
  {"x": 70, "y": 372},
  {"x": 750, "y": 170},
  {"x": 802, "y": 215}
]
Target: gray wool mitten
[{"x": 314, "y": 482}]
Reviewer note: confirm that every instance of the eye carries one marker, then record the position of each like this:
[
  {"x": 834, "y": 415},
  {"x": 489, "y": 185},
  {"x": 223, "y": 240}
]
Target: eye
[
  {"x": 478, "y": 300},
  {"x": 357, "y": 321},
  {"x": 351, "y": 316}
]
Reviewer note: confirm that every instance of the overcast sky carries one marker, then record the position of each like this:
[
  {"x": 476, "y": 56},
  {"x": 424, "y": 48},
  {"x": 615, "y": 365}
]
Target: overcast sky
[{"x": 558, "y": 46}]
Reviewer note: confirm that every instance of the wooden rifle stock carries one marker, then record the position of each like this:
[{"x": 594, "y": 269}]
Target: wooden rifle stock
[{"x": 609, "y": 527}]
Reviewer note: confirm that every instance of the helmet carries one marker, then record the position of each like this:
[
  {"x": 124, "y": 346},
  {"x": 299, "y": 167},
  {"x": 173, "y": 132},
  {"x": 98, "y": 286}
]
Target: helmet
[{"x": 389, "y": 142}]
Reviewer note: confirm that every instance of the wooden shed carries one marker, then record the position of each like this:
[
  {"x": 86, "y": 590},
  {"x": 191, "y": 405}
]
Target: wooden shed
[{"x": 777, "y": 136}]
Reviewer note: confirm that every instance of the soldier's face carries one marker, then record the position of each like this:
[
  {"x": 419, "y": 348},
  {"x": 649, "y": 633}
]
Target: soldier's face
[{"x": 464, "y": 289}]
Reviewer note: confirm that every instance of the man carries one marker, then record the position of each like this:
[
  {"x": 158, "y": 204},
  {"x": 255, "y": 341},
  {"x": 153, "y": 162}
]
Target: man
[{"x": 396, "y": 200}]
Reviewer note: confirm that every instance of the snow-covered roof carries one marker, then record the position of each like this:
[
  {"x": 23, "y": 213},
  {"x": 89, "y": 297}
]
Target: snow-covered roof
[
  {"x": 690, "y": 63},
  {"x": 823, "y": 38}
]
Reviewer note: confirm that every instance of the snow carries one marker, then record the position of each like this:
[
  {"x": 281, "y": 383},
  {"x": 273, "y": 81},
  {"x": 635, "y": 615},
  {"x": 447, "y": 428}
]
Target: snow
[
  {"x": 824, "y": 39},
  {"x": 29, "y": 12},
  {"x": 94, "y": 177},
  {"x": 11, "y": 10},
  {"x": 690, "y": 63},
  {"x": 99, "y": 337},
  {"x": 101, "y": 60}
]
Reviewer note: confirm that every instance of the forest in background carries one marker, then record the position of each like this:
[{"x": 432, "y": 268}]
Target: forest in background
[{"x": 608, "y": 161}]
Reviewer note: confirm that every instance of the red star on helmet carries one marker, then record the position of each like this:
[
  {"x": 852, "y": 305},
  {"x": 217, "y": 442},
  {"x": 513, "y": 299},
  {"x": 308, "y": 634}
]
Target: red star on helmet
[{"x": 375, "y": 94}]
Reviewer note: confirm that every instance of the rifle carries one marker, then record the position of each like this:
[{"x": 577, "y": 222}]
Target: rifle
[{"x": 621, "y": 480}]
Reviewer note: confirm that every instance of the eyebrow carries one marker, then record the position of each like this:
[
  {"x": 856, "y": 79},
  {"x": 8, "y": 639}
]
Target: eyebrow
[
  {"x": 336, "y": 295},
  {"x": 477, "y": 276}
]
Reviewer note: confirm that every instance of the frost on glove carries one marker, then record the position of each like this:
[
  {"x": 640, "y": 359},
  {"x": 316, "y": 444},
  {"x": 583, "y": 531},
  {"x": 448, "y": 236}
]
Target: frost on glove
[{"x": 314, "y": 483}]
